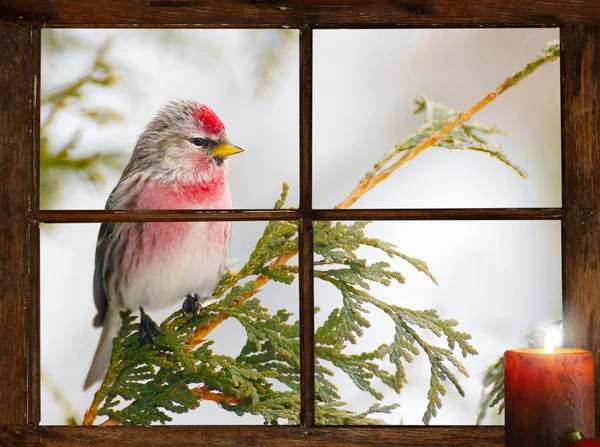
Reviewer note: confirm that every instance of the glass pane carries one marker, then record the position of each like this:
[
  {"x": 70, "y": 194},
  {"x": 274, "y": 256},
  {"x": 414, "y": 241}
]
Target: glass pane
[
  {"x": 100, "y": 88},
  {"x": 385, "y": 314},
  {"x": 238, "y": 363},
  {"x": 366, "y": 83}
]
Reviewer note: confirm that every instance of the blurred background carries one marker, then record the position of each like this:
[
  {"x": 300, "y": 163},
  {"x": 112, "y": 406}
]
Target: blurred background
[{"x": 499, "y": 279}]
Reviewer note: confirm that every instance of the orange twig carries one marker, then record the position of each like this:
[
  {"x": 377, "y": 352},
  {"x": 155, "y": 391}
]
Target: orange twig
[
  {"x": 90, "y": 415},
  {"x": 206, "y": 394}
]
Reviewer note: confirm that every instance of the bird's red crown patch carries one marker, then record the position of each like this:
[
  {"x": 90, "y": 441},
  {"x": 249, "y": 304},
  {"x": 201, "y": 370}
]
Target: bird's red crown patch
[{"x": 208, "y": 120}]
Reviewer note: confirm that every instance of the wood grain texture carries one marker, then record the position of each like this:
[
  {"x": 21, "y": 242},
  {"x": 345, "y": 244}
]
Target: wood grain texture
[
  {"x": 33, "y": 307},
  {"x": 89, "y": 216},
  {"x": 580, "y": 56},
  {"x": 439, "y": 214},
  {"x": 263, "y": 436},
  {"x": 293, "y": 13},
  {"x": 307, "y": 324},
  {"x": 15, "y": 163},
  {"x": 305, "y": 239}
]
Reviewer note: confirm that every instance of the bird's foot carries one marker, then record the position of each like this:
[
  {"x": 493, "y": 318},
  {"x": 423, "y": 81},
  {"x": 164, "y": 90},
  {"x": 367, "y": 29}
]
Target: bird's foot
[
  {"x": 194, "y": 304},
  {"x": 149, "y": 329}
]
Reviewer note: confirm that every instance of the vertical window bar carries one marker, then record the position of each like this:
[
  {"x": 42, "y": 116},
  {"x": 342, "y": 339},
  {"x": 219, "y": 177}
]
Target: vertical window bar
[
  {"x": 305, "y": 246},
  {"x": 33, "y": 303}
]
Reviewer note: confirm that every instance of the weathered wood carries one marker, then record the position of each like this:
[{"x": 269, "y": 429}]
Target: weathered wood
[
  {"x": 305, "y": 246},
  {"x": 581, "y": 190},
  {"x": 88, "y": 216},
  {"x": 16, "y": 77},
  {"x": 296, "y": 12},
  {"x": 439, "y": 214},
  {"x": 33, "y": 307},
  {"x": 263, "y": 436}
]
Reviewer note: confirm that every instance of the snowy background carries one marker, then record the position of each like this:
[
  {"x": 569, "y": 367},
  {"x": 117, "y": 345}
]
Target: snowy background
[{"x": 499, "y": 279}]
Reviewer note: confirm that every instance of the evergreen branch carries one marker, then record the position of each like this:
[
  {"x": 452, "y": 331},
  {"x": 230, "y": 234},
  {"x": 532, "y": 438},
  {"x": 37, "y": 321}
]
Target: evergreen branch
[
  {"x": 550, "y": 53},
  {"x": 330, "y": 413},
  {"x": 348, "y": 325},
  {"x": 492, "y": 392},
  {"x": 336, "y": 246}
]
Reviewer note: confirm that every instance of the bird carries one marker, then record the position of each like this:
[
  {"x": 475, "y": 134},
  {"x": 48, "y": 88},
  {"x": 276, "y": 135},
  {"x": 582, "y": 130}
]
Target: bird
[{"x": 178, "y": 162}]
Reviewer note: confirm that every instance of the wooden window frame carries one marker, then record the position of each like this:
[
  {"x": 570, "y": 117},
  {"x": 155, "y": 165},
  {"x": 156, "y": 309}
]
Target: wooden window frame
[{"x": 20, "y": 32}]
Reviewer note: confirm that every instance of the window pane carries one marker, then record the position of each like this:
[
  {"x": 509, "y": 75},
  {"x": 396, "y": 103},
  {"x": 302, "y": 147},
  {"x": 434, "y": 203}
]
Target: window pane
[
  {"x": 365, "y": 85},
  {"x": 100, "y": 88},
  {"x": 244, "y": 363},
  {"x": 500, "y": 281}
]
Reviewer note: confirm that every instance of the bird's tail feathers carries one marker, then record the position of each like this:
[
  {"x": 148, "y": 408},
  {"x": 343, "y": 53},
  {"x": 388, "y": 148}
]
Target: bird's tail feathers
[{"x": 112, "y": 325}]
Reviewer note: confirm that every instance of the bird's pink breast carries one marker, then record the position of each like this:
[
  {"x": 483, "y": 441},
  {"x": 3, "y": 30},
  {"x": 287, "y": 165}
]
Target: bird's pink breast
[
  {"x": 151, "y": 240},
  {"x": 212, "y": 194}
]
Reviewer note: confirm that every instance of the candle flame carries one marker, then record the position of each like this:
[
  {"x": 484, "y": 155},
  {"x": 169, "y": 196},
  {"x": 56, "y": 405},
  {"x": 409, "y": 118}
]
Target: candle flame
[{"x": 549, "y": 344}]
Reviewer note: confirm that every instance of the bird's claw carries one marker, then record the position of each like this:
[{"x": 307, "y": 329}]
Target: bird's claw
[
  {"x": 193, "y": 304},
  {"x": 149, "y": 329}
]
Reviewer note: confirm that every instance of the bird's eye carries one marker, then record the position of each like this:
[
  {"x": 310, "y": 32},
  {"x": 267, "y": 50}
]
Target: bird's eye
[{"x": 198, "y": 141}]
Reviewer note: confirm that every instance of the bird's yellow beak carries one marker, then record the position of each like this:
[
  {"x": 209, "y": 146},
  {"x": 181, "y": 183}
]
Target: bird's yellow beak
[{"x": 225, "y": 150}]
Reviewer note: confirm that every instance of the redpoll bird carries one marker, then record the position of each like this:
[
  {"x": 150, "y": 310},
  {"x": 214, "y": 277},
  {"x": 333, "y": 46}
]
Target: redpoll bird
[{"x": 178, "y": 163}]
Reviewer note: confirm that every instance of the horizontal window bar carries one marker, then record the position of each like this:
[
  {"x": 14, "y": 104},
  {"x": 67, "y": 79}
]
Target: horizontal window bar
[
  {"x": 400, "y": 436},
  {"x": 440, "y": 214},
  {"x": 298, "y": 25},
  {"x": 260, "y": 13},
  {"x": 85, "y": 216}
]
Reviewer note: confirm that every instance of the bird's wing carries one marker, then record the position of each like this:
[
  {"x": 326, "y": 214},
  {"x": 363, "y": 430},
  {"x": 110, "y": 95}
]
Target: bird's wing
[
  {"x": 101, "y": 272},
  {"x": 105, "y": 249}
]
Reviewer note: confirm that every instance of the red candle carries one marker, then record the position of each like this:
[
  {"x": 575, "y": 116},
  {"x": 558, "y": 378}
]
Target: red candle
[{"x": 546, "y": 395}]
